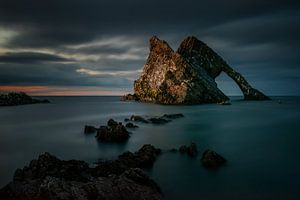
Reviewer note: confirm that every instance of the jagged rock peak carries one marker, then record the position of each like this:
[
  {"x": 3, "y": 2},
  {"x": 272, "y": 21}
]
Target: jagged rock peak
[
  {"x": 190, "y": 43},
  {"x": 186, "y": 76},
  {"x": 157, "y": 45}
]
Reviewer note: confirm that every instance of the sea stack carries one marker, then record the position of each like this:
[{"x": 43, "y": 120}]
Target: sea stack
[{"x": 186, "y": 76}]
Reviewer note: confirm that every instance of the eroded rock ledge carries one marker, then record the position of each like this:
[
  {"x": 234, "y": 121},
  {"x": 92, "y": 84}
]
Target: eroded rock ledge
[
  {"x": 51, "y": 178},
  {"x": 186, "y": 76}
]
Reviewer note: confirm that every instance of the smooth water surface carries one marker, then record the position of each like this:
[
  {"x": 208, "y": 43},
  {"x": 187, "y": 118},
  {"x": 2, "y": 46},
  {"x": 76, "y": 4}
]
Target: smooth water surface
[{"x": 260, "y": 140}]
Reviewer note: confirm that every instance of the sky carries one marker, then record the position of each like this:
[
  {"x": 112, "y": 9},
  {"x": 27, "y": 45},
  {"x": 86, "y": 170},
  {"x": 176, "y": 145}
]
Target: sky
[{"x": 96, "y": 47}]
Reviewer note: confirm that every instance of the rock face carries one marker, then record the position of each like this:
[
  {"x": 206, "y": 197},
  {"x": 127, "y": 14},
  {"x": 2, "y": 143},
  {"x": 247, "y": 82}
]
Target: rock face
[
  {"x": 144, "y": 158},
  {"x": 51, "y": 178},
  {"x": 210, "y": 159},
  {"x": 113, "y": 132},
  {"x": 186, "y": 76},
  {"x": 14, "y": 99}
]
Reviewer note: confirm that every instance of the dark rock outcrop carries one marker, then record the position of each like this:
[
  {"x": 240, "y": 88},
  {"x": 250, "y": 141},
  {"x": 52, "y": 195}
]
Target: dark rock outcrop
[
  {"x": 225, "y": 103},
  {"x": 211, "y": 159},
  {"x": 143, "y": 158},
  {"x": 129, "y": 97},
  {"x": 173, "y": 116},
  {"x": 14, "y": 99},
  {"x": 51, "y": 178},
  {"x": 131, "y": 125},
  {"x": 190, "y": 150},
  {"x": 138, "y": 118},
  {"x": 156, "y": 120},
  {"x": 113, "y": 132},
  {"x": 186, "y": 76}
]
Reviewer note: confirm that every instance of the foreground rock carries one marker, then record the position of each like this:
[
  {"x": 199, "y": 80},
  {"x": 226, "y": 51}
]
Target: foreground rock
[
  {"x": 51, "y": 178},
  {"x": 113, "y": 132},
  {"x": 14, "y": 99},
  {"x": 144, "y": 158},
  {"x": 186, "y": 76},
  {"x": 190, "y": 150},
  {"x": 211, "y": 159}
]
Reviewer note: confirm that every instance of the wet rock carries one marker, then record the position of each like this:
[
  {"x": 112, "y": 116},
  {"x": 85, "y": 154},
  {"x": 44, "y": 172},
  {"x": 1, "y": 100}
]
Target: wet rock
[
  {"x": 112, "y": 123},
  {"x": 138, "y": 118},
  {"x": 190, "y": 150},
  {"x": 131, "y": 125},
  {"x": 89, "y": 129},
  {"x": 211, "y": 159},
  {"x": 21, "y": 98},
  {"x": 126, "y": 120},
  {"x": 173, "y": 116},
  {"x": 158, "y": 120},
  {"x": 145, "y": 157},
  {"x": 224, "y": 103},
  {"x": 113, "y": 132},
  {"x": 51, "y": 178}
]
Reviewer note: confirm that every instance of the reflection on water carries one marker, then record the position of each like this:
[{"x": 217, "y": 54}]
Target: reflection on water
[{"x": 260, "y": 140}]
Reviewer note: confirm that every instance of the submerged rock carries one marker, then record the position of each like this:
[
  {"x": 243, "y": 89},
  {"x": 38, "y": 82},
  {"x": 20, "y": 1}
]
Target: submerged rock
[
  {"x": 131, "y": 125},
  {"x": 211, "y": 159},
  {"x": 186, "y": 76},
  {"x": 225, "y": 103},
  {"x": 158, "y": 120},
  {"x": 173, "y": 116},
  {"x": 51, "y": 178},
  {"x": 191, "y": 149},
  {"x": 138, "y": 118},
  {"x": 113, "y": 132},
  {"x": 21, "y": 98}
]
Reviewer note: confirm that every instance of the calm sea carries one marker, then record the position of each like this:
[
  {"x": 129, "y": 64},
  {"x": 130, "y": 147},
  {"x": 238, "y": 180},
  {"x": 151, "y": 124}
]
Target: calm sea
[{"x": 260, "y": 140}]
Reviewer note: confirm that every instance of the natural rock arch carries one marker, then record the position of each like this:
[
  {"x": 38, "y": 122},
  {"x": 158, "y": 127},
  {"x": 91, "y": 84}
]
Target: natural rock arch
[{"x": 186, "y": 76}]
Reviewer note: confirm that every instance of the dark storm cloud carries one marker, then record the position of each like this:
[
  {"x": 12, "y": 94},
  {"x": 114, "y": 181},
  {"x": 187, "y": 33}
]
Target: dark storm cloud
[
  {"x": 49, "y": 22},
  {"x": 30, "y": 57},
  {"x": 259, "y": 38}
]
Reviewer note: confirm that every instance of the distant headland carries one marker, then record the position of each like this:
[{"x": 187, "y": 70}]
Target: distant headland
[
  {"x": 186, "y": 76},
  {"x": 18, "y": 98}
]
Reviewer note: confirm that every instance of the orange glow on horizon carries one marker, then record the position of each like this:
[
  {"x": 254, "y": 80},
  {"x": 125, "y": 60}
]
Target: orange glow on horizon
[{"x": 62, "y": 91}]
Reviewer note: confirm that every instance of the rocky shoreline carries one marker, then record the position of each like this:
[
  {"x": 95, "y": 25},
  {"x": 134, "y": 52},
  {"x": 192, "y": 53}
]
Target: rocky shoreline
[
  {"x": 124, "y": 178},
  {"x": 21, "y": 98},
  {"x": 51, "y": 178}
]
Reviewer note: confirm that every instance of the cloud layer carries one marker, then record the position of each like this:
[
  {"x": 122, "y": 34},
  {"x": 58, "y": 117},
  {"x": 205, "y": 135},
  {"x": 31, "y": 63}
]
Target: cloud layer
[{"x": 104, "y": 44}]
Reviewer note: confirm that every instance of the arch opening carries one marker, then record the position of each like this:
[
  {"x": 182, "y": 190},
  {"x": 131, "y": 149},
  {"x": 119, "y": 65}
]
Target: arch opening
[{"x": 229, "y": 87}]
